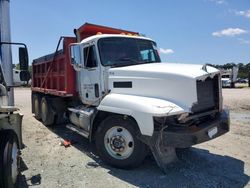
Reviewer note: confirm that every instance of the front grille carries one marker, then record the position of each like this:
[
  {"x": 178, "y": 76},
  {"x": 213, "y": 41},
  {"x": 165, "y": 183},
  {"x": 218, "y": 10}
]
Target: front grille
[{"x": 207, "y": 94}]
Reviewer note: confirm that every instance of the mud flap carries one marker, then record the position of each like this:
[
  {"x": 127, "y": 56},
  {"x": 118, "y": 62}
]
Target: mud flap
[{"x": 164, "y": 155}]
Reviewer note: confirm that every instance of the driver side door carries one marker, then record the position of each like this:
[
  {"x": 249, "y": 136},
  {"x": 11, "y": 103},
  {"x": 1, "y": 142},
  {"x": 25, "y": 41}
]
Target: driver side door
[{"x": 90, "y": 76}]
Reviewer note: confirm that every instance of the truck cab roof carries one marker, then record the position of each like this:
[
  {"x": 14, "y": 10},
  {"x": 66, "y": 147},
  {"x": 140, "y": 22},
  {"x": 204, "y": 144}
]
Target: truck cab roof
[{"x": 99, "y": 36}]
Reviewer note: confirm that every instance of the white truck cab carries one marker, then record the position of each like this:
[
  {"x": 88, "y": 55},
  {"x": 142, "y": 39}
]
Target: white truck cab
[{"x": 123, "y": 77}]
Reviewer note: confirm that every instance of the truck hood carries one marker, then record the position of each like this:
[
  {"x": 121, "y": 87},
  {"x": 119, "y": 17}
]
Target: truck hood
[{"x": 173, "y": 82}]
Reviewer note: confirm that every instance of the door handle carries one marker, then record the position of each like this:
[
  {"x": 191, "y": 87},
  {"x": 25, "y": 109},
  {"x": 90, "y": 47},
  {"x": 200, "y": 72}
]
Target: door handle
[{"x": 96, "y": 90}]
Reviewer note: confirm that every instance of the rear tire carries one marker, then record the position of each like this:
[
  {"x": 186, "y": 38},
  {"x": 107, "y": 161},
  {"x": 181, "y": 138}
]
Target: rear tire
[
  {"x": 9, "y": 160},
  {"x": 47, "y": 114},
  {"x": 117, "y": 143},
  {"x": 37, "y": 107}
]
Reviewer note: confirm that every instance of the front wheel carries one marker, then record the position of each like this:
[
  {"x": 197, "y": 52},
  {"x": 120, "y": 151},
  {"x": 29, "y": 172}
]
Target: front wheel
[
  {"x": 117, "y": 144},
  {"x": 9, "y": 160}
]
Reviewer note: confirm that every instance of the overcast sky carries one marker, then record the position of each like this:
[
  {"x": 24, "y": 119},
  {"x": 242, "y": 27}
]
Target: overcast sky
[{"x": 190, "y": 31}]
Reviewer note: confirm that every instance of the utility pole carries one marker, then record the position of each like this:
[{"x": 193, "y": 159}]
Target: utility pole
[{"x": 5, "y": 50}]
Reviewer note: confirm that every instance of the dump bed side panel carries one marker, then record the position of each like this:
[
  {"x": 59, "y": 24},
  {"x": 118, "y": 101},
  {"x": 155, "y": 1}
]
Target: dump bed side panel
[{"x": 53, "y": 74}]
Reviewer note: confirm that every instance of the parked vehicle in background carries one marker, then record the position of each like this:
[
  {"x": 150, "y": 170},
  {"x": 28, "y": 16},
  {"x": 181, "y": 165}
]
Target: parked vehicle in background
[
  {"x": 114, "y": 90},
  {"x": 226, "y": 81},
  {"x": 10, "y": 119},
  {"x": 17, "y": 78},
  {"x": 242, "y": 80},
  {"x": 229, "y": 77}
]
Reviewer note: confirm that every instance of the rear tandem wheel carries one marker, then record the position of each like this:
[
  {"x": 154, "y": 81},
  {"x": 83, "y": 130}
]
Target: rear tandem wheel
[
  {"x": 47, "y": 113},
  {"x": 37, "y": 109}
]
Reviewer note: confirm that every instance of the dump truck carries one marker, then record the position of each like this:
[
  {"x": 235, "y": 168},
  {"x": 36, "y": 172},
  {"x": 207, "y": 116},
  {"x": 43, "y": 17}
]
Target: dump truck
[
  {"x": 10, "y": 119},
  {"x": 112, "y": 88}
]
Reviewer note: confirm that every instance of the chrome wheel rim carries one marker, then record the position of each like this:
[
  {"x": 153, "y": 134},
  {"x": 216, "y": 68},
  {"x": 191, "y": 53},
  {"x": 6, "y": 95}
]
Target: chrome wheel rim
[{"x": 119, "y": 142}]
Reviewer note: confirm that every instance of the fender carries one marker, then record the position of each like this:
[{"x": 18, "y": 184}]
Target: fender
[
  {"x": 142, "y": 109},
  {"x": 12, "y": 122}
]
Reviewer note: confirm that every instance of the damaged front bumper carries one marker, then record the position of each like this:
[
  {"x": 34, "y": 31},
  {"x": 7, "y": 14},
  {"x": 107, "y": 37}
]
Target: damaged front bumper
[
  {"x": 188, "y": 136},
  {"x": 164, "y": 141},
  {"x": 184, "y": 137}
]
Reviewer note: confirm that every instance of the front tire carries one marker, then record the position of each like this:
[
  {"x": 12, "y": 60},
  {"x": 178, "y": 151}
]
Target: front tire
[
  {"x": 9, "y": 160},
  {"x": 117, "y": 144}
]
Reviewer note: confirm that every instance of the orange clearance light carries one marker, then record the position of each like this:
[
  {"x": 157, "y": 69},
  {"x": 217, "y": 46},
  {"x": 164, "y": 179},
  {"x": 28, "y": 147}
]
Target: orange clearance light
[{"x": 99, "y": 33}]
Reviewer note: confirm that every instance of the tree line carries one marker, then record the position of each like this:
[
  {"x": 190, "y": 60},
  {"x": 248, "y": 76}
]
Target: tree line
[{"x": 244, "y": 69}]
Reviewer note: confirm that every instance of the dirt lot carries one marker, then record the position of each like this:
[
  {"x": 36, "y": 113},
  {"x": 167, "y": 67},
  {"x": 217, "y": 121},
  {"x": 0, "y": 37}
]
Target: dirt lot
[{"x": 223, "y": 162}]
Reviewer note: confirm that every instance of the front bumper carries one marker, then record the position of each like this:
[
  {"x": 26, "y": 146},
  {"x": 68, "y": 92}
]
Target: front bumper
[
  {"x": 189, "y": 136},
  {"x": 185, "y": 137}
]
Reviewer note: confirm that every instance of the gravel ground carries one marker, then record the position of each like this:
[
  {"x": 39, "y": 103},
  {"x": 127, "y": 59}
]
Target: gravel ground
[{"x": 223, "y": 162}]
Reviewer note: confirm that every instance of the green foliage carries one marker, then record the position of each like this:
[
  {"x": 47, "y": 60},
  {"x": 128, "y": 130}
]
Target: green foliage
[
  {"x": 244, "y": 69},
  {"x": 17, "y": 66}
]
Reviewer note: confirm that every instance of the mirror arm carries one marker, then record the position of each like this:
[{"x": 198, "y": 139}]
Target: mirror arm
[{"x": 14, "y": 43}]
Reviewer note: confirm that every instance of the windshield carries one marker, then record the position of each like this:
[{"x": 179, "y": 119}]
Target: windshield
[{"x": 119, "y": 51}]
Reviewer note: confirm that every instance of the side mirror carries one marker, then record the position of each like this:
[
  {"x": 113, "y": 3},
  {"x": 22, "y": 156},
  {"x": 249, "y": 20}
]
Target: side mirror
[
  {"x": 24, "y": 76},
  {"x": 23, "y": 59},
  {"x": 75, "y": 57}
]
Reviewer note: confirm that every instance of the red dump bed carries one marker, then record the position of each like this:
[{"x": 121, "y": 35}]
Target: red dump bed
[
  {"x": 88, "y": 30},
  {"x": 53, "y": 74}
]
